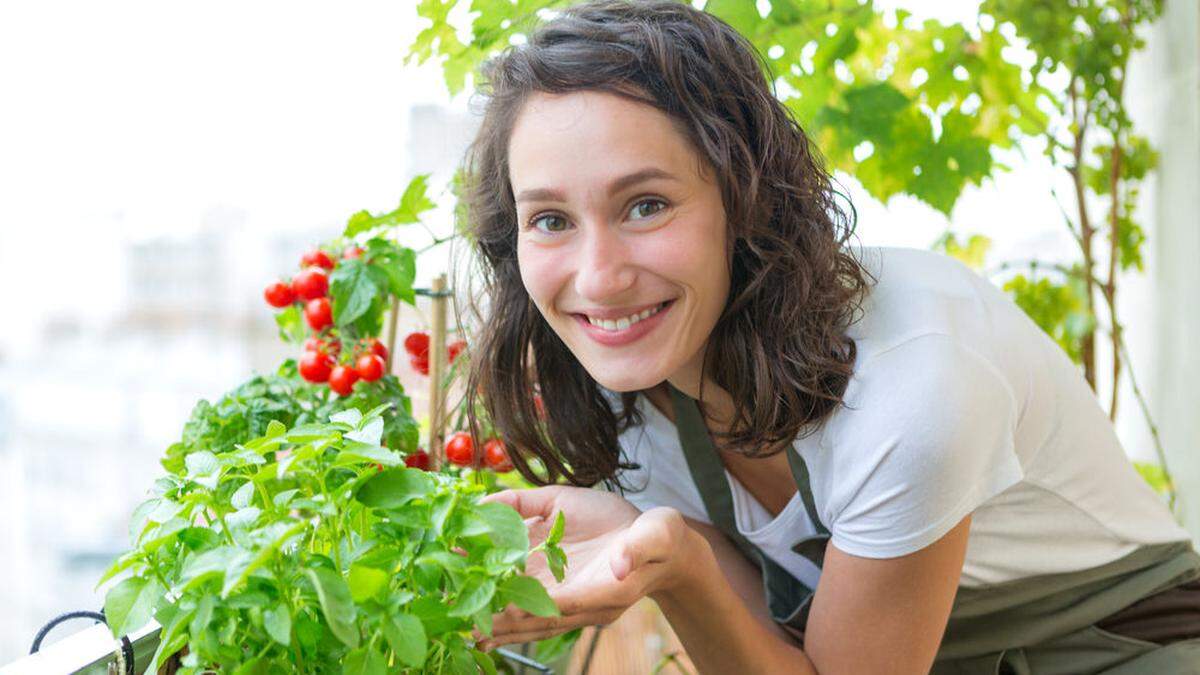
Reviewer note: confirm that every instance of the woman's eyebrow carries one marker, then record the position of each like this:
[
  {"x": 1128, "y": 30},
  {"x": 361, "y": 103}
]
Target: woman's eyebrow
[{"x": 550, "y": 194}]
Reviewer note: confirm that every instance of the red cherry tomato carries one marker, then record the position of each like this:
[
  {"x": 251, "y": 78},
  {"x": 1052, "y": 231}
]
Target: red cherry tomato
[
  {"x": 379, "y": 349},
  {"x": 342, "y": 379},
  {"x": 352, "y": 252},
  {"x": 369, "y": 367},
  {"x": 419, "y": 364},
  {"x": 318, "y": 313},
  {"x": 460, "y": 449},
  {"x": 496, "y": 456},
  {"x": 279, "y": 294},
  {"x": 417, "y": 344},
  {"x": 312, "y": 344},
  {"x": 310, "y": 283},
  {"x": 456, "y": 348},
  {"x": 317, "y": 258},
  {"x": 315, "y": 366},
  {"x": 418, "y": 460}
]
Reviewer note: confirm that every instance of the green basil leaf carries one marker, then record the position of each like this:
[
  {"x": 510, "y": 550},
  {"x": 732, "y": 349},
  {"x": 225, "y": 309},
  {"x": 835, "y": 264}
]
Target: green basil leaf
[
  {"x": 366, "y": 582},
  {"x": 130, "y": 604},
  {"x": 507, "y": 527},
  {"x": 339, "y": 610},
  {"x": 278, "y": 622},
  {"x": 528, "y": 594},
  {"x": 405, "y": 634},
  {"x": 394, "y": 488},
  {"x": 474, "y": 597}
]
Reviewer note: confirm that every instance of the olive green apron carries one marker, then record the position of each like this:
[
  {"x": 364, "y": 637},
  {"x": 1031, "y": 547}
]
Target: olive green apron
[{"x": 1037, "y": 625}]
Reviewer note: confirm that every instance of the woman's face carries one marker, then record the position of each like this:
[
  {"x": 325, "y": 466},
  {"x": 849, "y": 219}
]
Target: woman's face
[{"x": 614, "y": 219}]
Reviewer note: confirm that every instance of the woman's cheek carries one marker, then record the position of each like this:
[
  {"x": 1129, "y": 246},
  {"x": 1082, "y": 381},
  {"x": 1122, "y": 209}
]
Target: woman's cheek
[{"x": 538, "y": 273}]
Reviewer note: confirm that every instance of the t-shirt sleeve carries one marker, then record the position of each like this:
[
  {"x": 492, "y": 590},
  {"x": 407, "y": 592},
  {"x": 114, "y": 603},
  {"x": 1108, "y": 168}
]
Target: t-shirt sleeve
[{"x": 927, "y": 436}]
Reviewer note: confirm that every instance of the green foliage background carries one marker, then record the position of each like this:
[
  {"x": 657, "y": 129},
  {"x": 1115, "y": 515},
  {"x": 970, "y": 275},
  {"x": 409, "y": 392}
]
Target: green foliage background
[{"x": 919, "y": 108}]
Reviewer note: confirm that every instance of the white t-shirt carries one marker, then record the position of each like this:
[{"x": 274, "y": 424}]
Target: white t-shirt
[{"x": 958, "y": 404}]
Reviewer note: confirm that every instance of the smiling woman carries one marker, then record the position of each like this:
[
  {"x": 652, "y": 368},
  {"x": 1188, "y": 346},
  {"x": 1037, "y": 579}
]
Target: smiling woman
[{"x": 912, "y": 471}]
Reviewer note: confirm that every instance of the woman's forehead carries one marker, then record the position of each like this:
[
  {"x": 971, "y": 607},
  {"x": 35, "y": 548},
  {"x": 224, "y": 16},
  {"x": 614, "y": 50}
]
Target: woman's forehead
[{"x": 596, "y": 134}]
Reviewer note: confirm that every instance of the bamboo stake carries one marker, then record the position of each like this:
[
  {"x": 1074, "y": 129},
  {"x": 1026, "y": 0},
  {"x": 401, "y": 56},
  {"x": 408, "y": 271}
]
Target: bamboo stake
[
  {"x": 389, "y": 335},
  {"x": 437, "y": 365}
]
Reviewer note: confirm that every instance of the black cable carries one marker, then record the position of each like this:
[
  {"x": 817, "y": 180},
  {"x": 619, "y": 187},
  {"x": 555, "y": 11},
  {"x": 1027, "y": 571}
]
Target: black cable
[{"x": 126, "y": 645}]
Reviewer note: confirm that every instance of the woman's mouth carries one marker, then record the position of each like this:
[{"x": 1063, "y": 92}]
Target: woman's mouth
[{"x": 626, "y": 329}]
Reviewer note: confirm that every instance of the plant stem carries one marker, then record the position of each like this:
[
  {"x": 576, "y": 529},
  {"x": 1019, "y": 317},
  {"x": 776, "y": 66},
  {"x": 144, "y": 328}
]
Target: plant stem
[
  {"x": 1080, "y": 118},
  {"x": 1158, "y": 446},
  {"x": 1110, "y": 289}
]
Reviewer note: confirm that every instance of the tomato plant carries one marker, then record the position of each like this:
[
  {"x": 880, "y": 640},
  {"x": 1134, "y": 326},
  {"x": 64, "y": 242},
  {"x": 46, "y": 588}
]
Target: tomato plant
[
  {"x": 316, "y": 258},
  {"x": 315, "y": 366},
  {"x": 460, "y": 448},
  {"x": 342, "y": 379},
  {"x": 279, "y": 294},
  {"x": 418, "y": 460},
  {"x": 369, "y": 367},
  {"x": 417, "y": 344},
  {"x": 310, "y": 283},
  {"x": 318, "y": 313},
  {"x": 495, "y": 456}
]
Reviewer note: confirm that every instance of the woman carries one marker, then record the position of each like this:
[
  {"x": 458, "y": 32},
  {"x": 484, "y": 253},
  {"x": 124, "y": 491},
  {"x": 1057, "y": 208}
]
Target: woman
[{"x": 831, "y": 461}]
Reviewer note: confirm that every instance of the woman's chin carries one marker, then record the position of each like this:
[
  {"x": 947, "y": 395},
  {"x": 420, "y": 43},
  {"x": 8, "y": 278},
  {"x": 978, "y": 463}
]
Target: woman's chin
[{"x": 625, "y": 379}]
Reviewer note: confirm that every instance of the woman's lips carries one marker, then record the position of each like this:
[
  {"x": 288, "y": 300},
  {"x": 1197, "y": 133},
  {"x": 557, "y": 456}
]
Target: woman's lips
[{"x": 617, "y": 338}]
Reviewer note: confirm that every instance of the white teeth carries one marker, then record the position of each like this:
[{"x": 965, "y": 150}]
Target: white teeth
[{"x": 625, "y": 321}]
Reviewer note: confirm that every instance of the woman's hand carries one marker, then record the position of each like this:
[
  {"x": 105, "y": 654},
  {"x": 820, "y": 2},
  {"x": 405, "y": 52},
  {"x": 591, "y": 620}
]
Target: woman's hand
[{"x": 616, "y": 555}]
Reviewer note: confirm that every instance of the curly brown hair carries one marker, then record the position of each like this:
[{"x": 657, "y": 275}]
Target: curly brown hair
[{"x": 795, "y": 287}]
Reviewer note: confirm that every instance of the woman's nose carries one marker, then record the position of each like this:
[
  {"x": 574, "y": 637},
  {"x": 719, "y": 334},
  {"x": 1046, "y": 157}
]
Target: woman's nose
[{"x": 603, "y": 269}]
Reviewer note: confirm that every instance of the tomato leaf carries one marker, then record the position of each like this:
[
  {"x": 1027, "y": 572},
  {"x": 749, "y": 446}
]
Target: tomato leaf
[{"x": 354, "y": 289}]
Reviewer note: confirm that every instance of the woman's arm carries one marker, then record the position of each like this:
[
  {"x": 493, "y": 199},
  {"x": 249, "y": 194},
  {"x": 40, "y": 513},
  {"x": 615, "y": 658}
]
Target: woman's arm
[
  {"x": 868, "y": 616},
  {"x": 714, "y": 622}
]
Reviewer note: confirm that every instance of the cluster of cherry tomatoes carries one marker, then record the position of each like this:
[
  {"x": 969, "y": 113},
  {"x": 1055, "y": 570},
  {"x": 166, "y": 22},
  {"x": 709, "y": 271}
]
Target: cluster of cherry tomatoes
[
  {"x": 322, "y": 359},
  {"x": 417, "y": 346},
  {"x": 460, "y": 450}
]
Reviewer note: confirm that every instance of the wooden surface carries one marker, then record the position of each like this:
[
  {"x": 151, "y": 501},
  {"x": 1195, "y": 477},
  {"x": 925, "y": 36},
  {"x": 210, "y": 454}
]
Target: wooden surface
[{"x": 633, "y": 645}]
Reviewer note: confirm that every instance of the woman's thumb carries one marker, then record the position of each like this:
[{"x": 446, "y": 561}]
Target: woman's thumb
[{"x": 648, "y": 539}]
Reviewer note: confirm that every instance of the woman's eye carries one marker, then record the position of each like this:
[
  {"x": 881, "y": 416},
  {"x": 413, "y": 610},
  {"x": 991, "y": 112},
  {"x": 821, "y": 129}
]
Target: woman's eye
[
  {"x": 550, "y": 218},
  {"x": 637, "y": 208}
]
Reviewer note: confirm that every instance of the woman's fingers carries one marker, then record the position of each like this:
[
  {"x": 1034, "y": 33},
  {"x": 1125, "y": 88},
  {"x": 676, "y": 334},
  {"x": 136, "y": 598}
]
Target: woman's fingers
[
  {"x": 529, "y": 502},
  {"x": 547, "y": 631}
]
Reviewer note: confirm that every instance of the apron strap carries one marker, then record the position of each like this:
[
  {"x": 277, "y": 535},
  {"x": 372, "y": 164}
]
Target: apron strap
[{"x": 709, "y": 473}]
